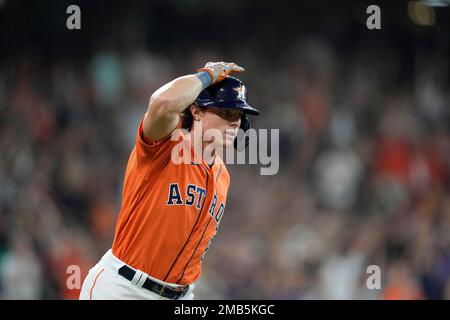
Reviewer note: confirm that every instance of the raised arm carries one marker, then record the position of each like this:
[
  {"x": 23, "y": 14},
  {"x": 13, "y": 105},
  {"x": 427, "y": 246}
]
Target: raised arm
[{"x": 168, "y": 101}]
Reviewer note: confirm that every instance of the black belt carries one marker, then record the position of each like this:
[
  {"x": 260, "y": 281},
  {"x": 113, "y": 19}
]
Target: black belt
[{"x": 166, "y": 292}]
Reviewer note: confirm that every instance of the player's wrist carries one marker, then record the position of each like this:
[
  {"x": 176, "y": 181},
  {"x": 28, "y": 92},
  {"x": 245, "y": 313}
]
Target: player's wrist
[{"x": 205, "y": 77}]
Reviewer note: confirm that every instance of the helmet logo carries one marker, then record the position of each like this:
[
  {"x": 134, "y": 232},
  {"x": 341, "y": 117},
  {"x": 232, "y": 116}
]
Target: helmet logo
[{"x": 240, "y": 92}]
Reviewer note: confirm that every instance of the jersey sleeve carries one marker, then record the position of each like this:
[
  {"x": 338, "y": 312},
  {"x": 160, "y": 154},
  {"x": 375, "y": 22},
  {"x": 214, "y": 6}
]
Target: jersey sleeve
[{"x": 154, "y": 152}]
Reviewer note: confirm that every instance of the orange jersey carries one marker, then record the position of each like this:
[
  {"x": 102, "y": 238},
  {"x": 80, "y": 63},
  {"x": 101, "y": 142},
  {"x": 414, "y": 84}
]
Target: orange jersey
[{"x": 170, "y": 212}]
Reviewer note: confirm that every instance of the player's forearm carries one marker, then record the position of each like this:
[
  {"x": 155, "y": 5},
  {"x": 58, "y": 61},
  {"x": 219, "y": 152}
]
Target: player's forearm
[
  {"x": 168, "y": 101},
  {"x": 176, "y": 95}
]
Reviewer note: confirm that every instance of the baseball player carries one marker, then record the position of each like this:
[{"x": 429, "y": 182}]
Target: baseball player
[{"x": 170, "y": 212}]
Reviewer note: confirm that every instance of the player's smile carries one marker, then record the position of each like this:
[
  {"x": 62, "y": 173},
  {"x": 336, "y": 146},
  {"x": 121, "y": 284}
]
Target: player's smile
[{"x": 231, "y": 133}]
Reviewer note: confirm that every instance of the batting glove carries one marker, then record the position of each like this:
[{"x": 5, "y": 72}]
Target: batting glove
[{"x": 220, "y": 70}]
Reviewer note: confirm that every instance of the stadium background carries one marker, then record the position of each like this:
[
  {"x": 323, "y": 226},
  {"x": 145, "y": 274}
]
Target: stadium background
[{"x": 364, "y": 141}]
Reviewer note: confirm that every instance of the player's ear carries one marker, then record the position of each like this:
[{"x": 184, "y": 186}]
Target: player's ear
[{"x": 196, "y": 112}]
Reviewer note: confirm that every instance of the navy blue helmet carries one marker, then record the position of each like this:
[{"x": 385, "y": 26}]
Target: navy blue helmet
[{"x": 229, "y": 93}]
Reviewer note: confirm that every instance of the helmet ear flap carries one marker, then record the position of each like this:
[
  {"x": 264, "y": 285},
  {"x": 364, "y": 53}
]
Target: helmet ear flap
[{"x": 245, "y": 125}]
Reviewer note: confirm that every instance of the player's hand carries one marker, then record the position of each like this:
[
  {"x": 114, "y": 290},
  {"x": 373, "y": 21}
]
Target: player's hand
[{"x": 220, "y": 70}]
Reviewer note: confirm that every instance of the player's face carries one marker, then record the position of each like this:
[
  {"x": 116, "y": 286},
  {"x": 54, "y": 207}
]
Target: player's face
[{"x": 227, "y": 121}]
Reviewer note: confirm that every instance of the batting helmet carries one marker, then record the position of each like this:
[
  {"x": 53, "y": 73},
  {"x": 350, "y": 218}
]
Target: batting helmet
[{"x": 229, "y": 93}]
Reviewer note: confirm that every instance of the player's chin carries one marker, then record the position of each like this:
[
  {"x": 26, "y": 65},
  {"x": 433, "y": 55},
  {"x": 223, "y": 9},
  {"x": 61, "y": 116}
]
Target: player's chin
[
  {"x": 227, "y": 143},
  {"x": 228, "y": 140}
]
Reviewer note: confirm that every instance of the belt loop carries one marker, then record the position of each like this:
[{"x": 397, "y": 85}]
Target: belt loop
[
  {"x": 161, "y": 292},
  {"x": 137, "y": 277},
  {"x": 142, "y": 279}
]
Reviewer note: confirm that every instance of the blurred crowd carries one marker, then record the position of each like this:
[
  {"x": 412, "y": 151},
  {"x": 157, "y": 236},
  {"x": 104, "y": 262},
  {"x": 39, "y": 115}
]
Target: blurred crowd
[{"x": 363, "y": 179}]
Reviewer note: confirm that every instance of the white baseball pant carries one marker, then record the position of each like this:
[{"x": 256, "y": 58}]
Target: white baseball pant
[{"x": 104, "y": 283}]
